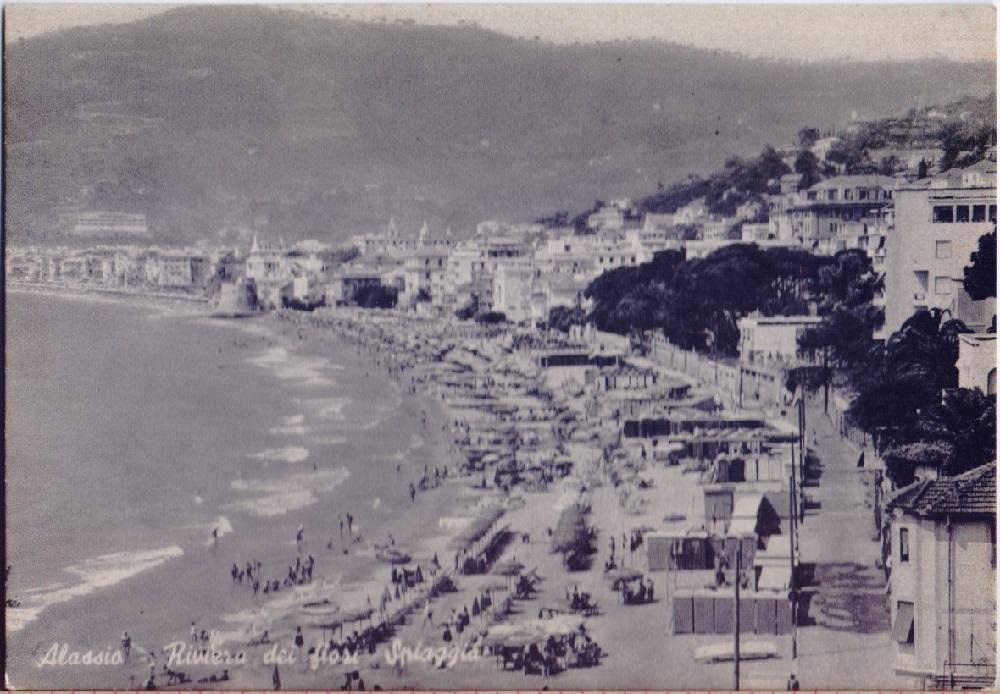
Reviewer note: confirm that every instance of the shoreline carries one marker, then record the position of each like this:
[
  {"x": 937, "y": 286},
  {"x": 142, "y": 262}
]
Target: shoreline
[{"x": 409, "y": 526}]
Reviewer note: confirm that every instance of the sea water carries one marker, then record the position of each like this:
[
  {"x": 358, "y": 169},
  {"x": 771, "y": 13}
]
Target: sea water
[{"x": 134, "y": 433}]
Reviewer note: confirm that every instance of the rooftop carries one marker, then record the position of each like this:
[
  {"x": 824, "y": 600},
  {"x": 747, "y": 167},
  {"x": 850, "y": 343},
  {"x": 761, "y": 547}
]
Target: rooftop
[{"x": 973, "y": 492}]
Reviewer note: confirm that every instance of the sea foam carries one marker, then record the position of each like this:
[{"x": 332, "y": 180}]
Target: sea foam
[
  {"x": 278, "y": 496},
  {"x": 291, "y": 454},
  {"x": 101, "y": 572}
]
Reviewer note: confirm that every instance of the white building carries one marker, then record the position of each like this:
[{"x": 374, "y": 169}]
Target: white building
[
  {"x": 977, "y": 362},
  {"x": 773, "y": 337},
  {"x": 943, "y": 581},
  {"x": 938, "y": 223},
  {"x": 514, "y": 287}
]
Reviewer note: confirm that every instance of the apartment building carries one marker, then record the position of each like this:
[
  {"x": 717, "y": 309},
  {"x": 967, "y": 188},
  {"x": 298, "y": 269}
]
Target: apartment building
[{"x": 937, "y": 226}]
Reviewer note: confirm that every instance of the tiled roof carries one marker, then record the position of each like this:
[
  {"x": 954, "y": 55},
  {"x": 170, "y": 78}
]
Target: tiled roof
[{"x": 974, "y": 491}]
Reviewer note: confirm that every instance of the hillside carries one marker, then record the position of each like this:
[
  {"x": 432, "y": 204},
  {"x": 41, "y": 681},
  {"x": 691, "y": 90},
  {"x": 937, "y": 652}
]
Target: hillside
[{"x": 207, "y": 118}]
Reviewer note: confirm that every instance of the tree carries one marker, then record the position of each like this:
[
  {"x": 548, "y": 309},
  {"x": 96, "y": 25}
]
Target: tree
[
  {"x": 980, "y": 280},
  {"x": 844, "y": 340},
  {"x": 808, "y": 137},
  {"x": 902, "y": 379},
  {"x": 562, "y": 318},
  {"x": 468, "y": 311},
  {"x": 491, "y": 317},
  {"x": 559, "y": 219},
  {"x": 807, "y": 164},
  {"x": 964, "y": 421}
]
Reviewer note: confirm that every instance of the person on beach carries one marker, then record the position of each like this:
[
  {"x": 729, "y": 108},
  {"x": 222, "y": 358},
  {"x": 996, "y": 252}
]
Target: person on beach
[
  {"x": 194, "y": 632},
  {"x": 413, "y": 493},
  {"x": 126, "y": 646},
  {"x": 299, "y": 535},
  {"x": 350, "y": 525}
]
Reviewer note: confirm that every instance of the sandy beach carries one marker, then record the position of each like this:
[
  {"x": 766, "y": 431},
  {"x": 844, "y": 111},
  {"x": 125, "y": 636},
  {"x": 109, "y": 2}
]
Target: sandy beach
[
  {"x": 156, "y": 596},
  {"x": 328, "y": 414}
]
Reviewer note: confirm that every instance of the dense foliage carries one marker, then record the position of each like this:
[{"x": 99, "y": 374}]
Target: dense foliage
[
  {"x": 901, "y": 380},
  {"x": 739, "y": 181},
  {"x": 562, "y": 318},
  {"x": 980, "y": 280},
  {"x": 698, "y": 302},
  {"x": 845, "y": 338}
]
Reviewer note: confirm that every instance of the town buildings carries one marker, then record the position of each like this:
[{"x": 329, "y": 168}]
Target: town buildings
[
  {"x": 769, "y": 349},
  {"x": 937, "y": 226},
  {"x": 943, "y": 582},
  {"x": 977, "y": 362}
]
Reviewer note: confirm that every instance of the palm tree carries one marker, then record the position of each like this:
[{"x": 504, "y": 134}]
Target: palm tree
[
  {"x": 965, "y": 421},
  {"x": 906, "y": 377}
]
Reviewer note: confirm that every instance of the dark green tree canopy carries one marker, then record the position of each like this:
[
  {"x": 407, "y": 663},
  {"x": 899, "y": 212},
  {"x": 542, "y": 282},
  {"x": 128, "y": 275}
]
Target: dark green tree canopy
[{"x": 980, "y": 280}]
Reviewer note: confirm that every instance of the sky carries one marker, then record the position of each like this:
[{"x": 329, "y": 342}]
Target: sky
[{"x": 810, "y": 32}]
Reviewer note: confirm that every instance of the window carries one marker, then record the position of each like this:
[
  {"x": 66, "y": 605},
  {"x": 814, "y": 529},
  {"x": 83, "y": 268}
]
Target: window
[
  {"x": 904, "y": 544},
  {"x": 848, "y": 194},
  {"x": 962, "y": 213},
  {"x": 902, "y": 630},
  {"x": 942, "y": 249},
  {"x": 944, "y": 214},
  {"x": 862, "y": 194},
  {"x": 979, "y": 213},
  {"x": 943, "y": 285},
  {"x": 993, "y": 213}
]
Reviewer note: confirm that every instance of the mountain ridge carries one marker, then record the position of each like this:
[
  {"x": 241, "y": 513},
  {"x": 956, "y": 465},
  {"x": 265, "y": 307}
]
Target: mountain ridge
[{"x": 210, "y": 118}]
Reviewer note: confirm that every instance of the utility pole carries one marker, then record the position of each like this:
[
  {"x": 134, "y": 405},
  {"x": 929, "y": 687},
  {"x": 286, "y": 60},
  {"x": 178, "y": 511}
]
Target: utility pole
[
  {"x": 736, "y": 621},
  {"x": 802, "y": 431},
  {"x": 793, "y": 597}
]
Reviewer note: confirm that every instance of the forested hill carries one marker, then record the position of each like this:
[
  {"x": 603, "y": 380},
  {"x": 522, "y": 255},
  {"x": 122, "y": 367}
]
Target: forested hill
[{"x": 210, "y": 117}]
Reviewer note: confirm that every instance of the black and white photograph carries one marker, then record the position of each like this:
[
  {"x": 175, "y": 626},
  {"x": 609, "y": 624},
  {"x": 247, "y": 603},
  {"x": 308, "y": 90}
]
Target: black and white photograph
[{"x": 499, "y": 346}]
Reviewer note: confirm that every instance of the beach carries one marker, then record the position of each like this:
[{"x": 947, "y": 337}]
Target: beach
[
  {"x": 161, "y": 427},
  {"x": 235, "y": 462}
]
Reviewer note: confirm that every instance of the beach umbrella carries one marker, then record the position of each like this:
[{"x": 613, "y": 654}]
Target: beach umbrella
[
  {"x": 522, "y": 640},
  {"x": 505, "y": 630},
  {"x": 493, "y": 586},
  {"x": 562, "y": 625},
  {"x": 393, "y": 556},
  {"x": 623, "y": 574},
  {"x": 508, "y": 568}
]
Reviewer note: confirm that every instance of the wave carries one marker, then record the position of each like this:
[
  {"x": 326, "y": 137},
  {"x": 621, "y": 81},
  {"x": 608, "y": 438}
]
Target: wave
[
  {"x": 276, "y": 497},
  {"x": 221, "y": 526},
  {"x": 309, "y": 371},
  {"x": 329, "y": 440},
  {"x": 331, "y": 409},
  {"x": 291, "y": 455},
  {"x": 101, "y": 572},
  {"x": 291, "y": 426},
  {"x": 274, "y": 504}
]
